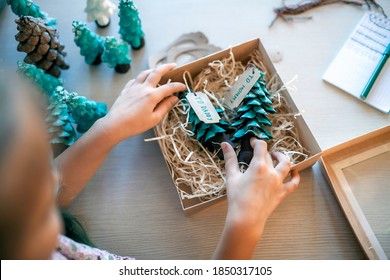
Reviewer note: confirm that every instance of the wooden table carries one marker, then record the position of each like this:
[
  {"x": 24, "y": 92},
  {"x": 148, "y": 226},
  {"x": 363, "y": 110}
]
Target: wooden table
[{"x": 131, "y": 207}]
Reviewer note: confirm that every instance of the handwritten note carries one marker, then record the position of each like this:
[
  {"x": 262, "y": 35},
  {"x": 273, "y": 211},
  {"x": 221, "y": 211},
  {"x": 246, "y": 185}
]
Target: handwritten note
[
  {"x": 203, "y": 107},
  {"x": 241, "y": 88}
]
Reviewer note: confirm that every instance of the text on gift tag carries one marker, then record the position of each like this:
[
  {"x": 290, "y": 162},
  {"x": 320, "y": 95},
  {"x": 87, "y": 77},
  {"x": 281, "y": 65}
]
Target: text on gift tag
[
  {"x": 203, "y": 107},
  {"x": 241, "y": 88}
]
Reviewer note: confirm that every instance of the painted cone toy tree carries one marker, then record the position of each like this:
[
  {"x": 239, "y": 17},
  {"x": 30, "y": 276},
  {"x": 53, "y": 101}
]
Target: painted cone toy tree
[
  {"x": 100, "y": 11},
  {"x": 84, "y": 112},
  {"x": 116, "y": 54},
  {"x": 91, "y": 45},
  {"x": 41, "y": 44},
  {"x": 28, "y": 8},
  {"x": 251, "y": 119},
  {"x": 210, "y": 135},
  {"x": 47, "y": 83},
  {"x": 130, "y": 24},
  {"x": 59, "y": 121}
]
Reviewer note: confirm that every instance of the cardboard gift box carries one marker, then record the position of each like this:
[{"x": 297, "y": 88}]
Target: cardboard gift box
[
  {"x": 358, "y": 171},
  {"x": 241, "y": 53}
]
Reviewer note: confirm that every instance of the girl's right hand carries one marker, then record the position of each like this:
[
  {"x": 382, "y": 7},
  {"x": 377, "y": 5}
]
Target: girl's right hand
[{"x": 252, "y": 196}]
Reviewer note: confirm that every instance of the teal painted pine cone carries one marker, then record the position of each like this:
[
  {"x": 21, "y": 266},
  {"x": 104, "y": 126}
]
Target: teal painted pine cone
[
  {"x": 210, "y": 135},
  {"x": 130, "y": 24},
  {"x": 84, "y": 112},
  {"x": 2, "y": 4},
  {"x": 91, "y": 44},
  {"x": 47, "y": 83},
  {"x": 251, "y": 119},
  {"x": 59, "y": 122},
  {"x": 28, "y": 8},
  {"x": 116, "y": 54}
]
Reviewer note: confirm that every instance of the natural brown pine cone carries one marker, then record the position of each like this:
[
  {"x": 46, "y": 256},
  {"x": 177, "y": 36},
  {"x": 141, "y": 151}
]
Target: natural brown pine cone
[
  {"x": 54, "y": 71},
  {"x": 44, "y": 64},
  {"x": 33, "y": 58},
  {"x": 41, "y": 44},
  {"x": 21, "y": 37}
]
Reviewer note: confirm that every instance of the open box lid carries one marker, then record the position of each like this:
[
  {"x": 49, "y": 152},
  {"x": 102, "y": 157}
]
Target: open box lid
[{"x": 359, "y": 172}]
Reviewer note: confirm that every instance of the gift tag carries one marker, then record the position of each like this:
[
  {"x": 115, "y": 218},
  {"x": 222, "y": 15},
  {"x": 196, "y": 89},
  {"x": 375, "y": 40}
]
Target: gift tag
[
  {"x": 243, "y": 85},
  {"x": 203, "y": 107}
]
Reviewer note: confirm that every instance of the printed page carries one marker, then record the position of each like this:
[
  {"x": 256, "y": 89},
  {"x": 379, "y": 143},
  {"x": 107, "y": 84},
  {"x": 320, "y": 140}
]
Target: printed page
[{"x": 356, "y": 61}]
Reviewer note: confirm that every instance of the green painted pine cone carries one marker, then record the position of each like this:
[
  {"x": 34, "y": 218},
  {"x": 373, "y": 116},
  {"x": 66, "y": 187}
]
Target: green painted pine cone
[
  {"x": 84, "y": 112},
  {"x": 209, "y": 135},
  {"x": 251, "y": 119},
  {"x": 59, "y": 123},
  {"x": 28, "y": 8},
  {"x": 47, "y": 83},
  {"x": 91, "y": 44},
  {"x": 130, "y": 26}
]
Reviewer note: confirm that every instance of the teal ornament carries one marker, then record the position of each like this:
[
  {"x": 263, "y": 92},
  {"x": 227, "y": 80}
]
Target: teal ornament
[
  {"x": 45, "y": 82},
  {"x": 116, "y": 54},
  {"x": 251, "y": 119},
  {"x": 28, "y": 8},
  {"x": 130, "y": 24},
  {"x": 59, "y": 122},
  {"x": 210, "y": 135},
  {"x": 84, "y": 112},
  {"x": 91, "y": 44}
]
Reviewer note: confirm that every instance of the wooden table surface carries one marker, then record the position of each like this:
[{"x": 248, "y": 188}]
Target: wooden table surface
[{"x": 131, "y": 207}]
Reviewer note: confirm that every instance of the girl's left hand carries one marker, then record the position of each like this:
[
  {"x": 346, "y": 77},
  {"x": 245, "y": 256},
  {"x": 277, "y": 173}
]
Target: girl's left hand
[{"x": 141, "y": 104}]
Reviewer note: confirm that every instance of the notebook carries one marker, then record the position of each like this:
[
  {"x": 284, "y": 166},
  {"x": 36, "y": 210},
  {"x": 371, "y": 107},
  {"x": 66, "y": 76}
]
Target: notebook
[{"x": 357, "y": 59}]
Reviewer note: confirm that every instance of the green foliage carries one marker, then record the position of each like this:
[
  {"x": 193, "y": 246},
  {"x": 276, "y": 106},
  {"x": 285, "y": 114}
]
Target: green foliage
[
  {"x": 91, "y": 45},
  {"x": 130, "y": 24},
  {"x": 251, "y": 117},
  {"x": 115, "y": 52},
  {"x": 47, "y": 83},
  {"x": 28, "y": 8},
  {"x": 84, "y": 112}
]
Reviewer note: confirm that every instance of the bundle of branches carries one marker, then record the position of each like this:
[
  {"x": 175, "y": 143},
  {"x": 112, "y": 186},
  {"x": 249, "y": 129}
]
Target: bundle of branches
[{"x": 287, "y": 11}]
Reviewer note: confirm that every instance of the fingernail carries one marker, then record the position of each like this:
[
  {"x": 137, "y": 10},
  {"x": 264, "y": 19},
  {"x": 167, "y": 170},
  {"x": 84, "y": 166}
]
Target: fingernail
[{"x": 224, "y": 146}]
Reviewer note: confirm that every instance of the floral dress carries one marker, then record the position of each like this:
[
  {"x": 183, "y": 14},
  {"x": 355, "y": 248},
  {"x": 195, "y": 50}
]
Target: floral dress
[{"x": 67, "y": 249}]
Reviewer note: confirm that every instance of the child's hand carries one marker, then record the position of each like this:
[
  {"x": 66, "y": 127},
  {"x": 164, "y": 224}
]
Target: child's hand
[
  {"x": 141, "y": 105},
  {"x": 252, "y": 196}
]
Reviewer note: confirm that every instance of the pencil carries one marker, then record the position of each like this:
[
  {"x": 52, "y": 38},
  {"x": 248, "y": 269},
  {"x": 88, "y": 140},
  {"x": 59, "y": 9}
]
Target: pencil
[{"x": 375, "y": 74}]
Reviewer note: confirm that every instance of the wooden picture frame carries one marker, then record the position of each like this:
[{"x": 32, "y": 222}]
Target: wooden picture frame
[{"x": 338, "y": 159}]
